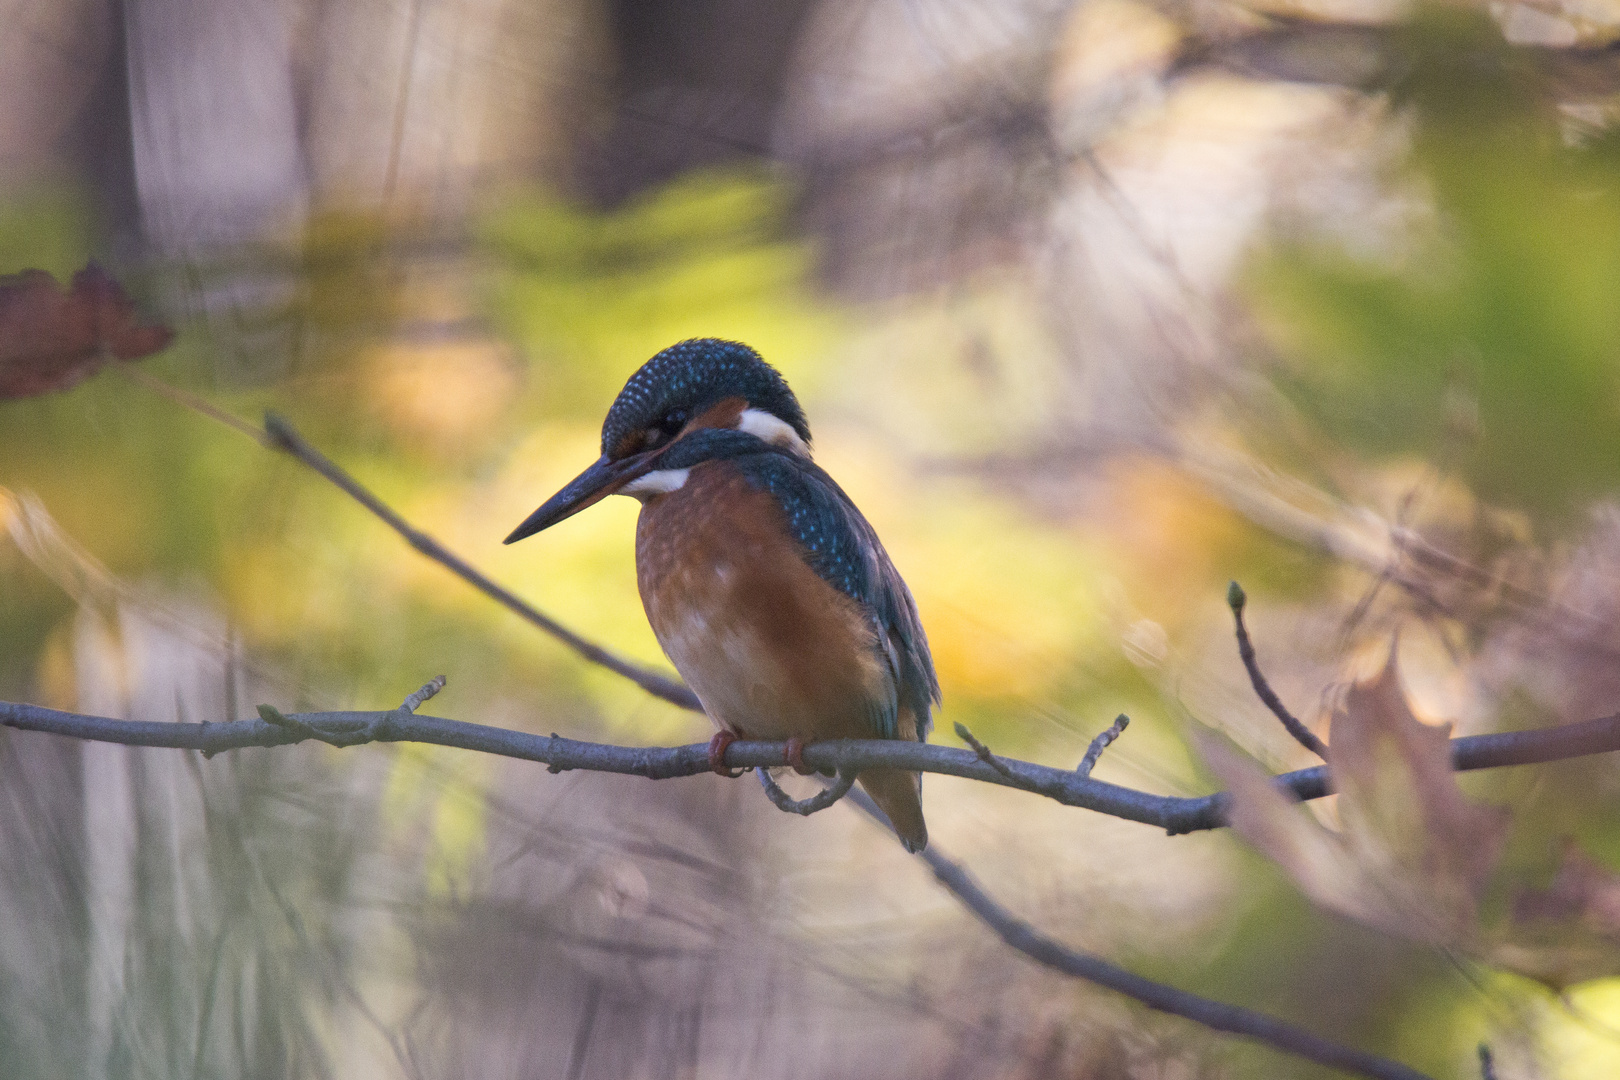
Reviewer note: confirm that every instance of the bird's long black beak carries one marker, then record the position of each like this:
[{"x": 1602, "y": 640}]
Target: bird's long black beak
[{"x": 596, "y": 483}]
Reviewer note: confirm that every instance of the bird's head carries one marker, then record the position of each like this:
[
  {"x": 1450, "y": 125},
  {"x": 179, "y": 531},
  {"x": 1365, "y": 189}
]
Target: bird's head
[{"x": 695, "y": 386}]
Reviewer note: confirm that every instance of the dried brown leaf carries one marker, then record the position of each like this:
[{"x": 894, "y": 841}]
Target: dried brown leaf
[
  {"x": 51, "y": 339},
  {"x": 1321, "y": 862},
  {"x": 1397, "y": 790},
  {"x": 1413, "y": 856},
  {"x": 1568, "y": 932},
  {"x": 1583, "y": 889}
]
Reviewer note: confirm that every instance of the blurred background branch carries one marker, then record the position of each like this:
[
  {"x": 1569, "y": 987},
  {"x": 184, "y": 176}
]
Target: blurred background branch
[{"x": 282, "y": 435}]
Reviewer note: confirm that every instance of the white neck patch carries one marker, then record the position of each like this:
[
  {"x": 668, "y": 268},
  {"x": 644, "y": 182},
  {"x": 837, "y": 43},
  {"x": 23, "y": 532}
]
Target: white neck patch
[
  {"x": 772, "y": 429},
  {"x": 657, "y": 482}
]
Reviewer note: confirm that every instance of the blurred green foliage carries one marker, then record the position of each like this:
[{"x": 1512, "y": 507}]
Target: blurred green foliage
[
  {"x": 1491, "y": 341},
  {"x": 710, "y": 255},
  {"x": 47, "y": 227}
]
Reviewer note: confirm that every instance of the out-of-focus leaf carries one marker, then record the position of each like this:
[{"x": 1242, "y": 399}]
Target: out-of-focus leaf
[
  {"x": 1414, "y": 855},
  {"x": 52, "y": 340},
  {"x": 1487, "y": 331},
  {"x": 1397, "y": 790},
  {"x": 1415, "y": 858},
  {"x": 1568, "y": 932},
  {"x": 589, "y": 295}
]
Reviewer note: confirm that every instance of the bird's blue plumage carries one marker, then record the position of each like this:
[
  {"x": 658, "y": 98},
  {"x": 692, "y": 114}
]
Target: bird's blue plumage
[
  {"x": 843, "y": 549},
  {"x": 692, "y": 375}
]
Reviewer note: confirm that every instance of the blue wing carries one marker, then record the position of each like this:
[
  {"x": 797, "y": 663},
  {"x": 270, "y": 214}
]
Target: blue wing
[{"x": 844, "y": 549}]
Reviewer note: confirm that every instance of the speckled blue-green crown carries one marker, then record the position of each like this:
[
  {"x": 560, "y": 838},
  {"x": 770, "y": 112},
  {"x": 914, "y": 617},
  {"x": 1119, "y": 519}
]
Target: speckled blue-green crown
[{"x": 694, "y": 375}]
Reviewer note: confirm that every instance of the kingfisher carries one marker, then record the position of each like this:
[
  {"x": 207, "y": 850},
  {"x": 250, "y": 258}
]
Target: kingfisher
[{"x": 765, "y": 586}]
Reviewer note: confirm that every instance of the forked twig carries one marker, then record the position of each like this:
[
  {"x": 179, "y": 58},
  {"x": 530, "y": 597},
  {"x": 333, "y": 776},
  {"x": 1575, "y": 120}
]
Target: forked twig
[
  {"x": 990, "y": 759},
  {"x": 1235, "y": 599},
  {"x": 283, "y": 436}
]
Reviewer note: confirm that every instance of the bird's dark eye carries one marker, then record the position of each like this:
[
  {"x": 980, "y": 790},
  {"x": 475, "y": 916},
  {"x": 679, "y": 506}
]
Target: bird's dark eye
[{"x": 667, "y": 427}]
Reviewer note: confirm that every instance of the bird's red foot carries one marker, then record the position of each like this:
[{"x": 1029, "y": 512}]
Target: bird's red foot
[
  {"x": 795, "y": 756},
  {"x": 717, "y": 754}
]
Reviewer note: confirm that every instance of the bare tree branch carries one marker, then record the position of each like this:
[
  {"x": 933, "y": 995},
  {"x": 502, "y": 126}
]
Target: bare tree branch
[
  {"x": 1233, "y": 1019},
  {"x": 283, "y": 436},
  {"x": 1236, "y": 599},
  {"x": 275, "y": 728},
  {"x": 1174, "y": 814}
]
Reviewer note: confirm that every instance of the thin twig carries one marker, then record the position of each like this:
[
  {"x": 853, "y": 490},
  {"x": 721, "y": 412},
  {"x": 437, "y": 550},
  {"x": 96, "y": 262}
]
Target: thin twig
[
  {"x": 1040, "y": 780},
  {"x": 1174, "y": 814},
  {"x": 1217, "y": 1015},
  {"x": 383, "y": 727},
  {"x": 279, "y": 434},
  {"x": 428, "y": 690},
  {"x": 1307, "y": 738},
  {"x": 194, "y": 403},
  {"x": 805, "y": 807},
  {"x": 1487, "y": 1064},
  {"x": 986, "y": 756},
  {"x": 1101, "y": 743},
  {"x": 283, "y": 436}
]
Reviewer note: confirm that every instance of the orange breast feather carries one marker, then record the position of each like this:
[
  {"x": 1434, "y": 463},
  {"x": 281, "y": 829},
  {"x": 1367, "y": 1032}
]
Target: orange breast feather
[{"x": 770, "y": 648}]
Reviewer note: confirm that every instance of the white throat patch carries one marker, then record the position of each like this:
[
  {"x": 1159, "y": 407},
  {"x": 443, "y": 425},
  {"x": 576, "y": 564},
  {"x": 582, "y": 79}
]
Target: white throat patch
[
  {"x": 772, "y": 429},
  {"x": 657, "y": 482}
]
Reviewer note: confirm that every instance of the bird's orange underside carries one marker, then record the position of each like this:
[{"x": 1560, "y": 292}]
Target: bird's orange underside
[{"x": 772, "y": 650}]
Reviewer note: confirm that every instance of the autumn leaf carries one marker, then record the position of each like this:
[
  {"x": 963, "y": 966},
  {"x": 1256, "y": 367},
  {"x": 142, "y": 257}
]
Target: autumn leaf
[
  {"x": 52, "y": 339},
  {"x": 1413, "y": 856},
  {"x": 1568, "y": 932}
]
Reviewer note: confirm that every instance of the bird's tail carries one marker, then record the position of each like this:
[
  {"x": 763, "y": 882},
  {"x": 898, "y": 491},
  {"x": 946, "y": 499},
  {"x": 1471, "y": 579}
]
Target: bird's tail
[{"x": 899, "y": 795}]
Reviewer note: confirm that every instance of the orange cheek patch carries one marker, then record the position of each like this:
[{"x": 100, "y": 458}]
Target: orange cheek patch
[
  {"x": 722, "y": 414},
  {"x": 632, "y": 442}
]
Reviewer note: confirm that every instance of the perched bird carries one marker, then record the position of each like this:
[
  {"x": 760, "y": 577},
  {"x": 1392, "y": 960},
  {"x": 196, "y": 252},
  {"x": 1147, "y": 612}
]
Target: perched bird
[{"x": 765, "y": 586}]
